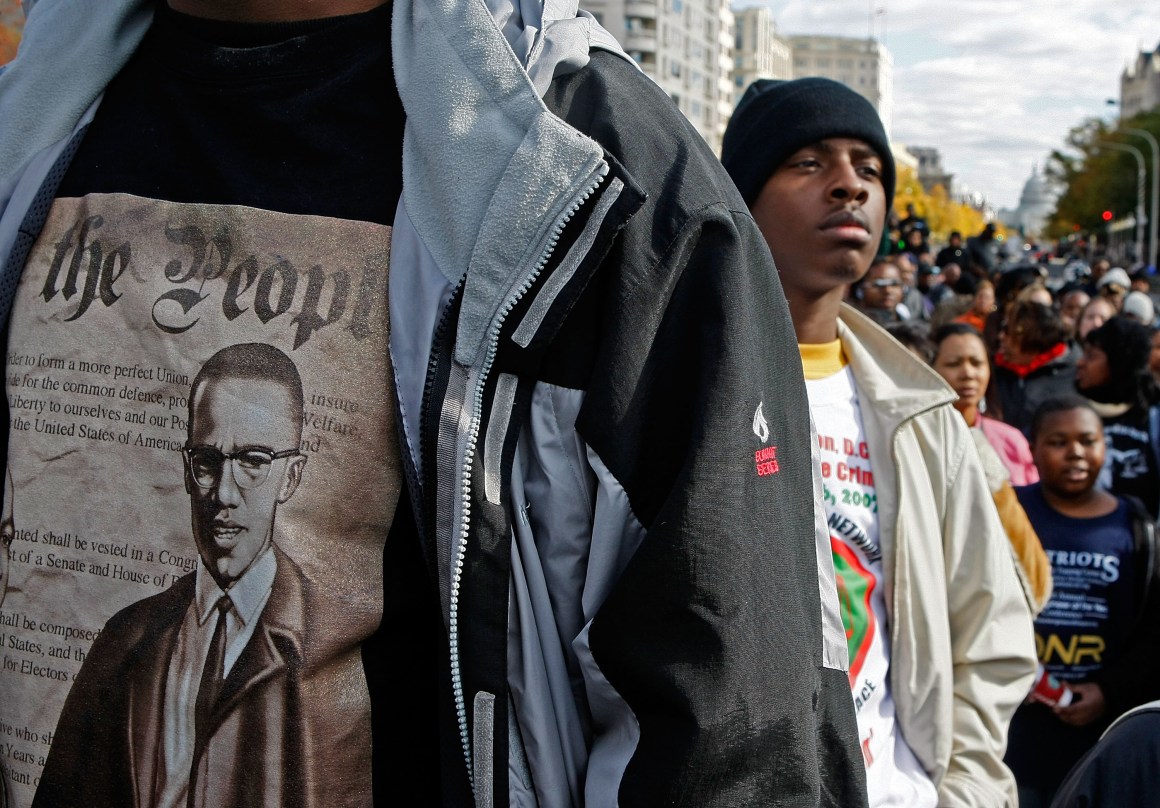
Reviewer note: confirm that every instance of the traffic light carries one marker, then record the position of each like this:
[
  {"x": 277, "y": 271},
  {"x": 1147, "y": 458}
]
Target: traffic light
[{"x": 1106, "y": 215}]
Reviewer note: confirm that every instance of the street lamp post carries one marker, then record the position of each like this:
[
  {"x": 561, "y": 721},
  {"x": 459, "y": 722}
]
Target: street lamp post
[
  {"x": 1154, "y": 214},
  {"x": 1140, "y": 174}
]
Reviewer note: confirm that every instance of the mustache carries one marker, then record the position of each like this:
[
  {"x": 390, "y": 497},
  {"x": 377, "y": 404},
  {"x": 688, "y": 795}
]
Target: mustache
[{"x": 844, "y": 218}]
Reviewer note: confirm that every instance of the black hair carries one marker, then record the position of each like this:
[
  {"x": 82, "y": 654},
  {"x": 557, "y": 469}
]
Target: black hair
[
  {"x": 1035, "y": 327},
  {"x": 913, "y": 336},
  {"x": 1064, "y": 403},
  {"x": 1012, "y": 281},
  {"x": 955, "y": 330},
  {"x": 254, "y": 361},
  {"x": 1127, "y": 345}
]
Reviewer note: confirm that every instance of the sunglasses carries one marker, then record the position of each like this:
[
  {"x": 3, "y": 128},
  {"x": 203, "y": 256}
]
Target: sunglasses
[{"x": 885, "y": 283}]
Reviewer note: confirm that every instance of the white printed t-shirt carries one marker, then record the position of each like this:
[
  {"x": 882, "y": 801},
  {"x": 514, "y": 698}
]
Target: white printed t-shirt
[{"x": 894, "y": 777}]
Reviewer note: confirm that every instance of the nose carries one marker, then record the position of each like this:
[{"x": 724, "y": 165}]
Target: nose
[
  {"x": 226, "y": 492},
  {"x": 847, "y": 185}
]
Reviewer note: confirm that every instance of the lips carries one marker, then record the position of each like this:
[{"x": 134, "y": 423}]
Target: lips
[
  {"x": 226, "y": 533},
  {"x": 843, "y": 219},
  {"x": 847, "y": 229}
]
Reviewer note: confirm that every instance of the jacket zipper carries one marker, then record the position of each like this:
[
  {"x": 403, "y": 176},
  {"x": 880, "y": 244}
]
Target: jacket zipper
[{"x": 469, "y": 454}]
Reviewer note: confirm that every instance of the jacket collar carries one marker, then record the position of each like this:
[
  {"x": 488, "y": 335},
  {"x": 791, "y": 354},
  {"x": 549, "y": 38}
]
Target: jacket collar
[
  {"x": 899, "y": 384},
  {"x": 489, "y": 174}
]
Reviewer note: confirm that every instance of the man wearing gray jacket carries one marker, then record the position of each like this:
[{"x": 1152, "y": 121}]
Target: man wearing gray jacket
[{"x": 603, "y": 582}]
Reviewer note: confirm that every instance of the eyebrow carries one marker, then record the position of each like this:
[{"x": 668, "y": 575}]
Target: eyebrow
[{"x": 860, "y": 151}]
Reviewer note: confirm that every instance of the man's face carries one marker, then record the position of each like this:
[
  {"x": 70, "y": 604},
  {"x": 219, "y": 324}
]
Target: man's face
[
  {"x": 822, "y": 213},
  {"x": 233, "y": 525},
  {"x": 929, "y": 278},
  {"x": 1072, "y": 307},
  {"x": 906, "y": 268},
  {"x": 1092, "y": 369},
  {"x": 882, "y": 288},
  {"x": 1115, "y": 294}
]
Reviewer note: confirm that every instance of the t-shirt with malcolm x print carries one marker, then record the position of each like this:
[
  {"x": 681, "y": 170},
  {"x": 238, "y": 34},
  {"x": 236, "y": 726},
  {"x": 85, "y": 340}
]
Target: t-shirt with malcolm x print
[
  {"x": 894, "y": 777},
  {"x": 235, "y": 188}
]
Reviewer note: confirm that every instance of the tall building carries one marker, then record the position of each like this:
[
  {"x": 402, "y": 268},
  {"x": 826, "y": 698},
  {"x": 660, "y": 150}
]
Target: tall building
[
  {"x": 863, "y": 65},
  {"x": 930, "y": 169},
  {"x": 758, "y": 52},
  {"x": 685, "y": 46},
  {"x": 1140, "y": 84}
]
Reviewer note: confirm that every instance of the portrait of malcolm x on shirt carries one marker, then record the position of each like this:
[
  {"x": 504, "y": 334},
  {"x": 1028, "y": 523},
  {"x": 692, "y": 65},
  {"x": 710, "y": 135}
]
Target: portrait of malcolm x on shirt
[{"x": 199, "y": 686}]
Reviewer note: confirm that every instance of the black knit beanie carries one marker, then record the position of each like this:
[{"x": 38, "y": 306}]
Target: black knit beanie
[
  {"x": 1127, "y": 344},
  {"x": 776, "y": 118}
]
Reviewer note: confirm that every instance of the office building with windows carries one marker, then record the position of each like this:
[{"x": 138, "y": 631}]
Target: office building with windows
[{"x": 685, "y": 46}]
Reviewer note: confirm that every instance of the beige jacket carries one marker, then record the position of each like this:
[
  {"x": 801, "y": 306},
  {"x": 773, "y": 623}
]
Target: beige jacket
[{"x": 962, "y": 648}]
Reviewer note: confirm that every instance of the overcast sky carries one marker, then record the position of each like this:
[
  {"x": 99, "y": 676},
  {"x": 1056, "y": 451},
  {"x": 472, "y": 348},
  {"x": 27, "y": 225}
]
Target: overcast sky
[{"x": 995, "y": 85}]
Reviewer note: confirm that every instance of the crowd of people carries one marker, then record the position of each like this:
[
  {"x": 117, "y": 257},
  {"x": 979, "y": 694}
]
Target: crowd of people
[
  {"x": 1058, "y": 379},
  {"x": 532, "y": 454}
]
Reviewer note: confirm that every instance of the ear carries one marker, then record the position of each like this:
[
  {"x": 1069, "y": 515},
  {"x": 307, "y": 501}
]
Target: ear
[
  {"x": 291, "y": 477},
  {"x": 858, "y": 292}
]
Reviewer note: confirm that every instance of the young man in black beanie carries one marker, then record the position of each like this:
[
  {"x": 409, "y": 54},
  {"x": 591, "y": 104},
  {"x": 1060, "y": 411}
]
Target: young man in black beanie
[{"x": 939, "y": 632}]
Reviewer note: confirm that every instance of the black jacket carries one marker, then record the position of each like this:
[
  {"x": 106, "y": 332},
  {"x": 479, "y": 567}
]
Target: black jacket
[{"x": 674, "y": 329}]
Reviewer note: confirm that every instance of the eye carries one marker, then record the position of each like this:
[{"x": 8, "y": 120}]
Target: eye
[
  {"x": 806, "y": 161},
  {"x": 253, "y": 459}
]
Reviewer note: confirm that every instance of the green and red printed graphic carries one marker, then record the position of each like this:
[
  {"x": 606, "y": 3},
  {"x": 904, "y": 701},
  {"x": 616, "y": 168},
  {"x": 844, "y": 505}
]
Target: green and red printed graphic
[{"x": 855, "y": 586}]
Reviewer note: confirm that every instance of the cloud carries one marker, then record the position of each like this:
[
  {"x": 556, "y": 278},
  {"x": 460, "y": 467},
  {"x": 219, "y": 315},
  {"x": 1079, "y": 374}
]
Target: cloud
[{"x": 995, "y": 85}]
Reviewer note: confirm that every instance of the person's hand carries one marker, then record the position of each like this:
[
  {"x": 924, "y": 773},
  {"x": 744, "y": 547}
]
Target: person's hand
[{"x": 1086, "y": 706}]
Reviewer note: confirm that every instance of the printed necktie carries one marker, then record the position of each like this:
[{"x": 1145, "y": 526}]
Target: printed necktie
[{"x": 211, "y": 676}]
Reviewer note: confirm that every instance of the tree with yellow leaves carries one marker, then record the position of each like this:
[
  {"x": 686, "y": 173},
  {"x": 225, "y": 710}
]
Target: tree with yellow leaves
[{"x": 942, "y": 213}]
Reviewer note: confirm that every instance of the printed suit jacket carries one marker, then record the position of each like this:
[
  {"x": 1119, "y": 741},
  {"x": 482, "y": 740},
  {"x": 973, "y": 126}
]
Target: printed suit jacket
[{"x": 106, "y": 750}]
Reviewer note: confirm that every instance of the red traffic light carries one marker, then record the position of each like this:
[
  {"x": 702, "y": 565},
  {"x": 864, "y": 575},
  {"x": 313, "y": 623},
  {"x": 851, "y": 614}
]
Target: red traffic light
[{"x": 1106, "y": 215}]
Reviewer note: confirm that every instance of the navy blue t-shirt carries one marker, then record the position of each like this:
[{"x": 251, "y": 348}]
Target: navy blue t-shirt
[
  {"x": 1089, "y": 617},
  {"x": 1086, "y": 624}
]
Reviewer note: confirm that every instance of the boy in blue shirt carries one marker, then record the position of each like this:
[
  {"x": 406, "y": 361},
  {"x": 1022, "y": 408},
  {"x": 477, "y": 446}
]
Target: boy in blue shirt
[{"x": 1097, "y": 632}]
